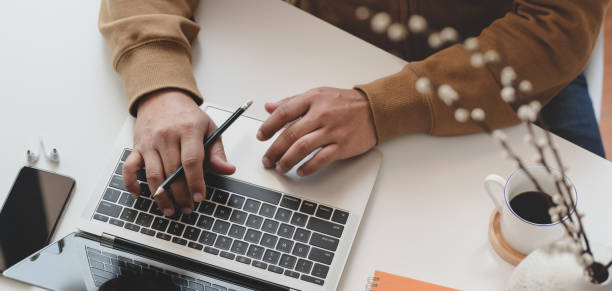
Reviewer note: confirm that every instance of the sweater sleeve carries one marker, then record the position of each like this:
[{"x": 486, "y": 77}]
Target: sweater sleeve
[
  {"x": 547, "y": 42},
  {"x": 150, "y": 45}
]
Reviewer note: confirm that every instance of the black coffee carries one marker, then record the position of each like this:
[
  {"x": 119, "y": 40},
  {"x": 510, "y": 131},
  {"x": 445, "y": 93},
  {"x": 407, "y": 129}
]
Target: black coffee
[{"x": 532, "y": 206}]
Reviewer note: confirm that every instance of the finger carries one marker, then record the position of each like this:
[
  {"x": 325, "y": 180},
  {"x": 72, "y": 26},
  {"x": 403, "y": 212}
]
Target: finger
[
  {"x": 300, "y": 149},
  {"x": 132, "y": 165},
  {"x": 192, "y": 158},
  {"x": 155, "y": 176},
  {"x": 321, "y": 159},
  {"x": 171, "y": 157},
  {"x": 289, "y": 136},
  {"x": 271, "y": 106},
  {"x": 285, "y": 113},
  {"x": 216, "y": 155}
]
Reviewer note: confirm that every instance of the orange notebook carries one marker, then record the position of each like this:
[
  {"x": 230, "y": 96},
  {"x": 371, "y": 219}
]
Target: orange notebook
[{"x": 388, "y": 282}]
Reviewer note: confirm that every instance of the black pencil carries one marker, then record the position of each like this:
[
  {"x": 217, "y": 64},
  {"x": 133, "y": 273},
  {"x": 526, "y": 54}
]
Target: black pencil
[{"x": 209, "y": 141}]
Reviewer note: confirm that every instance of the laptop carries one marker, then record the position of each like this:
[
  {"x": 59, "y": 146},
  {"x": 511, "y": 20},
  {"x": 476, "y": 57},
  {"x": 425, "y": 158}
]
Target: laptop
[{"x": 255, "y": 230}]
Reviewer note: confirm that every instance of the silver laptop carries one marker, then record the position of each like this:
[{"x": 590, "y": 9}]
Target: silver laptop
[{"x": 256, "y": 229}]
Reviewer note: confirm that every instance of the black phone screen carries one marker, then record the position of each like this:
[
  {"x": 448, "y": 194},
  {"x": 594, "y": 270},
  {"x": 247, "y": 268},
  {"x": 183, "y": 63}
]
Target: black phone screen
[{"x": 30, "y": 213}]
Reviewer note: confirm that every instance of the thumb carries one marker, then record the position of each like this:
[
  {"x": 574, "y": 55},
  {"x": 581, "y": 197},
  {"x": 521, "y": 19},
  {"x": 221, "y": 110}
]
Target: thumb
[{"x": 217, "y": 159}]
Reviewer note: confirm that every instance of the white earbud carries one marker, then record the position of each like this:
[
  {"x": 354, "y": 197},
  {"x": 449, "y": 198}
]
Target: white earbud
[
  {"x": 32, "y": 157},
  {"x": 52, "y": 155}
]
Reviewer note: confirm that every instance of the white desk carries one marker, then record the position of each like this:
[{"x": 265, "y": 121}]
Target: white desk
[{"x": 427, "y": 218}]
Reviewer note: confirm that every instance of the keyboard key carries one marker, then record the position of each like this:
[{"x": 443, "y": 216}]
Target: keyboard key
[
  {"x": 255, "y": 252},
  {"x": 259, "y": 264},
  {"x": 308, "y": 207},
  {"x": 126, "y": 200},
  {"x": 238, "y": 216},
  {"x": 290, "y": 202},
  {"x": 125, "y": 154},
  {"x": 292, "y": 274},
  {"x": 237, "y": 231},
  {"x": 303, "y": 266},
  {"x": 179, "y": 281},
  {"x": 275, "y": 269},
  {"x": 209, "y": 193},
  {"x": 227, "y": 255},
  {"x": 254, "y": 221},
  {"x": 211, "y": 250},
  {"x": 270, "y": 226},
  {"x": 324, "y": 212},
  {"x": 196, "y": 246},
  {"x": 323, "y": 241},
  {"x": 271, "y": 257},
  {"x": 299, "y": 219},
  {"x": 321, "y": 256},
  {"x": 110, "y": 209},
  {"x": 175, "y": 216},
  {"x": 141, "y": 175},
  {"x": 205, "y": 222},
  {"x": 144, "y": 190},
  {"x": 283, "y": 215},
  {"x": 286, "y": 230},
  {"x": 176, "y": 228},
  {"x": 312, "y": 280},
  {"x": 223, "y": 212},
  {"x": 206, "y": 208},
  {"x": 128, "y": 214},
  {"x": 302, "y": 235},
  {"x": 155, "y": 210},
  {"x": 178, "y": 240},
  {"x": 320, "y": 271},
  {"x": 300, "y": 250},
  {"x": 208, "y": 238},
  {"x": 163, "y": 236},
  {"x": 239, "y": 247},
  {"x": 160, "y": 224},
  {"x": 147, "y": 231},
  {"x": 220, "y": 196},
  {"x": 221, "y": 226},
  {"x": 267, "y": 210},
  {"x": 100, "y": 217},
  {"x": 251, "y": 206},
  {"x": 252, "y": 236},
  {"x": 117, "y": 183},
  {"x": 191, "y": 233},
  {"x": 190, "y": 218},
  {"x": 340, "y": 216},
  {"x": 116, "y": 222},
  {"x": 287, "y": 261},
  {"x": 268, "y": 240},
  {"x": 142, "y": 204},
  {"x": 223, "y": 242},
  {"x": 132, "y": 227},
  {"x": 235, "y": 201},
  {"x": 111, "y": 195},
  {"x": 284, "y": 245},
  {"x": 144, "y": 219},
  {"x": 244, "y": 189},
  {"x": 243, "y": 260},
  {"x": 325, "y": 227}
]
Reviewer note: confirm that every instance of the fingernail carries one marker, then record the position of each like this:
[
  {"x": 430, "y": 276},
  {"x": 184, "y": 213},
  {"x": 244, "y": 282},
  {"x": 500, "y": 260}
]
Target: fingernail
[
  {"x": 279, "y": 168},
  {"x": 197, "y": 197},
  {"x": 266, "y": 161},
  {"x": 187, "y": 210},
  {"x": 260, "y": 135},
  {"x": 168, "y": 211},
  {"x": 300, "y": 172},
  {"x": 134, "y": 196}
]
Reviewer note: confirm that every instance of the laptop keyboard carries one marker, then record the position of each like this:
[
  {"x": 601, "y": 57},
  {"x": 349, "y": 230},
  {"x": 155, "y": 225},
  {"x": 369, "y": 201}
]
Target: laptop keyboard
[
  {"x": 106, "y": 266},
  {"x": 237, "y": 221}
]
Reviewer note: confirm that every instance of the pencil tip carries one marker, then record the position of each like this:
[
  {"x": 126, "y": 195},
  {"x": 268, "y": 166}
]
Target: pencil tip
[
  {"x": 247, "y": 104},
  {"x": 158, "y": 191}
]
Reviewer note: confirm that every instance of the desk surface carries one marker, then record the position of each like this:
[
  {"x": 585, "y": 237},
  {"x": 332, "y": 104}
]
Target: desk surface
[{"x": 427, "y": 217}]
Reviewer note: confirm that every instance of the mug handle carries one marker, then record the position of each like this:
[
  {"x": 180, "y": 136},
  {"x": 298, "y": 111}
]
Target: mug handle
[{"x": 493, "y": 193}]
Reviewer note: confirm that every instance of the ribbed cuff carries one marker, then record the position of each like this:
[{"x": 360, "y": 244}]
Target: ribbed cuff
[
  {"x": 154, "y": 66},
  {"x": 396, "y": 105}
]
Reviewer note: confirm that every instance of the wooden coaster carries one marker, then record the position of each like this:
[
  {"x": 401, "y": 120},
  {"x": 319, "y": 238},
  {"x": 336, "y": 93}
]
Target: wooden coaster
[{"x": 500, "y": 246}]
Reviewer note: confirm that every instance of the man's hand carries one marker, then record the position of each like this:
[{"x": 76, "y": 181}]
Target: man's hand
[
  {"x": 337, "y": 121},
  {"x": 170, "y": 130}
]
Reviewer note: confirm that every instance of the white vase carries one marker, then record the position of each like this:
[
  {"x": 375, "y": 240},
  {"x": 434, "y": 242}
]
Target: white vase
[{"x": 549, "y": 269}]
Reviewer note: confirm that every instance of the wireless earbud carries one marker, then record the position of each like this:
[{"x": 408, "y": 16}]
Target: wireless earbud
[{"x": 32, "y": 157}]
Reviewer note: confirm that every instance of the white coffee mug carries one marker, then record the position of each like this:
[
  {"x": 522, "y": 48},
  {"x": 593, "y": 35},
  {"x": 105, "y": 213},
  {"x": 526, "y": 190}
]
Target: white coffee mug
[{"x": 523, "y": 235}]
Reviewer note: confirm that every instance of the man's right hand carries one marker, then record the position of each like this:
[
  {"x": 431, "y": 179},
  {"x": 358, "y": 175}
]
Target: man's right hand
[{"x": 170, "y": 130}]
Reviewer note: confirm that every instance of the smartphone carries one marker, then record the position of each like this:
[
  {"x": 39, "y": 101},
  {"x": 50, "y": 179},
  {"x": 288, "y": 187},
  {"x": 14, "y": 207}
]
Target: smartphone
[{"x": 30, "y": 213}]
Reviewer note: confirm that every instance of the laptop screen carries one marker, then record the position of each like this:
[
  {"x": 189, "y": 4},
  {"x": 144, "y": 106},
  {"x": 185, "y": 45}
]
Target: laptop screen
[{"x": 80, "y": 262}]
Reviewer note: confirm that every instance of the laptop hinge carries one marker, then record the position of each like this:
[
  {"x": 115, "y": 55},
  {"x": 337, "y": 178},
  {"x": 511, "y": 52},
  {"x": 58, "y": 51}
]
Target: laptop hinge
[{"x": 107, "y": 240}]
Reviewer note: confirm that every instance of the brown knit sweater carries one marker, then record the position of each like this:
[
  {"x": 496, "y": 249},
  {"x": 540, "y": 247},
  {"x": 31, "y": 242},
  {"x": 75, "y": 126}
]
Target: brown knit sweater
[{"x": 546, "y": 41}]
